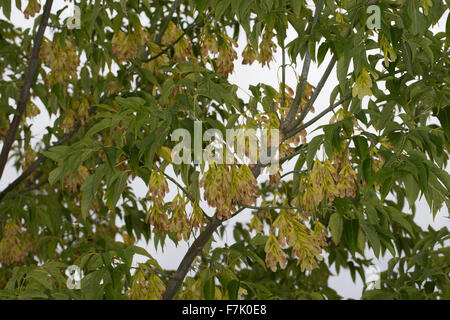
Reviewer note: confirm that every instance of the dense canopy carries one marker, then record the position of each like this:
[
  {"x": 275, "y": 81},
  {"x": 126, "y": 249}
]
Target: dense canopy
[{"x": 120, "y": 82}]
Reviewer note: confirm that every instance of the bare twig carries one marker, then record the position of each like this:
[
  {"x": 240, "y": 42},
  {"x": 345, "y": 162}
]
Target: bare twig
[
  {"x": 313, "y": 98},
  {"x": 318, "y": 88},
  {"x": 169, "y": 46},
  {"x": 190, "y": 197},
  {"x": 316, "y": 118},
  {"x": 25, "y": 92},
  {"x": 304, "y": 77}
]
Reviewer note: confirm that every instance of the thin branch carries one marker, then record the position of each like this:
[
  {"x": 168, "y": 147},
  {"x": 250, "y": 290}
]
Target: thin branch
[
  {"x": 318, "y": 88},
  {"x": 300, "y": 150},
  {"x": 316, "y": 118},
  {"x": 25, "y": 92},
  {"x": 166, "y": 22},
  {"x": 272, "y": 208},
  {"x": 190, "y": 197},
  {"x": 313, "y": 98},
  {"x": 33, "y": 167},
  {"x": 170, "y": 46},
  {"x": 291, "y": 172},
  {"x": 304, "y": 77}
]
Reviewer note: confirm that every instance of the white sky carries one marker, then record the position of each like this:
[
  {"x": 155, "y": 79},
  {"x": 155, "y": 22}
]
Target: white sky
[{"x": 243, "y": 76}]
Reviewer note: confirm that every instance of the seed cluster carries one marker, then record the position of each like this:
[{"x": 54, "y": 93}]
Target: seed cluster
[
  {"x": 125, "y": 45},
  {"x": 226, "y": 186},
  {"x": 146, "y": 285},
  {"x": 15, "y": 243},
  {"x": 63, "y": 61},
  {"x": 307, "y": 245}
]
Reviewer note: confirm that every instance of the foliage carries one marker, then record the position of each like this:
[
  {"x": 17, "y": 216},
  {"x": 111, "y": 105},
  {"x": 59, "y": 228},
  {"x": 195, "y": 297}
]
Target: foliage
[{"x": 138, "y": 70}]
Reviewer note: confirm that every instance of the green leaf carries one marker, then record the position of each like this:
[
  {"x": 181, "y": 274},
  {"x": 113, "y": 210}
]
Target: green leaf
[
  {"x": 342, "y": 70},
  {"x": 7, "y": 8},
  {"x": 259, "y": 240},
  {"x": 90, "y": 284},
  {"x": 43, "y": 278},
  {"x": 54, "y": 175},
  {"x": 232, "y": 120},
  {"x": 89, "y": 189},
  {"x": 221, "y": 7},
  {"x": 130, "y": 102},
  {"x": 372, "y": 235},
  {"x": 99, "y": 126},
  {"x": 336, "y": 225},
  {"x": 114, "y": 192},
  {"x": 297, "y": 7},
  {"x": 256, "y": 258},
  {"x": 377, "y": 294},
  {"x": 209, "y": 289},
  {"x": 417, "y": 23},
  {"x": 233, "y": 289},
  {"x": 313, "y": 146},
  {"x": 362, "y": 147},
  {"x": 58, "y": 153},
  {"x": 411, "y": 189},
  {"x": 444, "y": 117},
  {"x": 398, "y": 217}
]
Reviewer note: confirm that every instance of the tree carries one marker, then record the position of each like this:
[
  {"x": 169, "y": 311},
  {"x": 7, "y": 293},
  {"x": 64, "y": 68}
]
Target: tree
[{"x": 136, "y": 71}]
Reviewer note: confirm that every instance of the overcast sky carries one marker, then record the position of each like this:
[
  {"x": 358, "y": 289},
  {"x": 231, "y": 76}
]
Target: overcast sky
[{"x": 243, "y": 76}]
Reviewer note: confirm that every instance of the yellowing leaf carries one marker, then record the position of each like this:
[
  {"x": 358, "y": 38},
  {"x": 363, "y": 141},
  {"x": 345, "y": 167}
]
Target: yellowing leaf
[
  {"x": 166, "y": 153},
  {"x": 362, "y": 85},
  {"x": 426, "y": 5}
]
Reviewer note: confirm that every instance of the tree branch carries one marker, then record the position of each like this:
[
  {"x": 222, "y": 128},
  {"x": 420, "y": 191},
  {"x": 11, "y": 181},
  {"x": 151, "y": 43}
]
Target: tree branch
[
  {"x": 37, "y": 163},
  {"x": 313, "y": 98},
  {"x": 193, "y": 251},
  {"x": 66, "y": 138},
  {"x": 166, "y": 22},
  {"x": 304, "y": 77},
  {"x": 203, "y": 238},
  {"x": 190, "y": 197},
  {"x": 316, "y": 118},
  {"x": 272, "y": 208},
  {"x": 25, "y": 92},
  {"x": 169, "y": 46},
  {"x": 318, "y": 88}
]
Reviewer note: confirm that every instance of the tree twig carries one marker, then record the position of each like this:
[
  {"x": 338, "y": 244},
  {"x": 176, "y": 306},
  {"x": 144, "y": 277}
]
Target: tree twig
[
  {"x": 166, "y": 22},
  {"x": 304, "y": 77},
  {"x": 25, "y": 92},
  {"x": 318, "y": 88},
  {"x": 190, "y": 197},
  {"x": 316, "y": 118},
  {"x": 36, "y": 164},
  {"x": 265, "y": 208}
]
